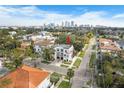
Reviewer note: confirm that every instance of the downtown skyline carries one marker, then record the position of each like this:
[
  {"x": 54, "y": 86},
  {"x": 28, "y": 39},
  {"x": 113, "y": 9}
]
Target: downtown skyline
[{"x": 44, "y": 14}]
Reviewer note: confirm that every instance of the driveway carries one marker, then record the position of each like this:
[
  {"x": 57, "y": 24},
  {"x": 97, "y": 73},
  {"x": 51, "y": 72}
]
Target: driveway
[
  {"x": 53, "y": 68},
  {"x": 82, "y": 74},
  {"x": 48, "y": 67}
]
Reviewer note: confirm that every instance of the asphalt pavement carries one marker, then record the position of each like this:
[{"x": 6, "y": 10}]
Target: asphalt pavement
[{"x": 82, "y": 75}]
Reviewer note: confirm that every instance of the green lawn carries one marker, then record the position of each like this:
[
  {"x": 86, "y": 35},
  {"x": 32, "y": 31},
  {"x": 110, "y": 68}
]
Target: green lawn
[
  {"x": 77, "y": 62},
  {"x": 64, "y": 66},
  {"x": 92, "y": 59},
  {"x": 64, "y": 84},
  {"x": 81, "y": 54}
]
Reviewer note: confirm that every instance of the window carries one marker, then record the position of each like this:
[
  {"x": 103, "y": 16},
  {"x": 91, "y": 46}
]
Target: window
[
  {"x": 66, "y": 51},
  {"x": 61, "y": 50},
  {"x": 67, "y": 56},
  {"x": 57, "y": 49},
  {"x": 61, "y": 58}
]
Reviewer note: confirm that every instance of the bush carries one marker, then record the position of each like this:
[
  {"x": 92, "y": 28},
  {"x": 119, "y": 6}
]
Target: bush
[
  {"x": 54, "y": 78},
  {"x": 64, "y": 84}
]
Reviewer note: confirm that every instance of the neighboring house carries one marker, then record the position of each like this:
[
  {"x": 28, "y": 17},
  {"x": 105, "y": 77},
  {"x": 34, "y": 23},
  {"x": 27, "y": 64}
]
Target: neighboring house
[
  {"x": 27, "y": 77},
  {"x": 25, "y": 44},
  {"x": 107, "y": 45},
  {"x": 64, "y": 52},
  {"x": 120, "y": 44},
  {"x": 27, "y": 37},
  {"x": 37, "y": 49},
  {"x": 46, "y": 35},
  {"x": 36, "y": 37},
  {"x": 44, "y": 43},
  {"x": 12, "y": 33},
  {"x": 42, "y": 35}
]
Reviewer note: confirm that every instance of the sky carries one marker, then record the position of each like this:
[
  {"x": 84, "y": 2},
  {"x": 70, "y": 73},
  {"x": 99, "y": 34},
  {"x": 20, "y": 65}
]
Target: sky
[{"x": 31, "y": 15}]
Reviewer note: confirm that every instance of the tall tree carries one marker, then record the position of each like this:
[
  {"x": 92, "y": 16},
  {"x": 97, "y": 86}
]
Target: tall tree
[
  {"x": 68, "y": 40},
  {"x": 70, "y": 73},
  {"x": 47, "y": 54}
]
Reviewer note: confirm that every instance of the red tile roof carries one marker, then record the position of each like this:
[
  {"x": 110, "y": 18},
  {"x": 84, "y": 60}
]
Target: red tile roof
[
  {"x": 25, "y": 77},
  {"x": 110, "y": 46}
]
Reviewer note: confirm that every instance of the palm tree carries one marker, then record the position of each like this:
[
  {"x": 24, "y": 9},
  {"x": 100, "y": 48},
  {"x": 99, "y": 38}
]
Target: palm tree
[{"x": 70, "y": 73}]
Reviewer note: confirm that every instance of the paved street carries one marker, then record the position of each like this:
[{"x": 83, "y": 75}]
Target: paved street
[
  {"x": 53, "y": 68},
  {"x": 49, "y": 67},
  {"x": 82, "y": 74}
]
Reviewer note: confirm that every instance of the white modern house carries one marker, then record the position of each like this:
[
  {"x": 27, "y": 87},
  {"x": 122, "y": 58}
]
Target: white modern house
[{"x": 64, "y": 52}]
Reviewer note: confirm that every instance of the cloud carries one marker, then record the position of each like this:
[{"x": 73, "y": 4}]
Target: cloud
[
  {"x": 119, "y": 16},
  {"x": 32, "y": 15}
]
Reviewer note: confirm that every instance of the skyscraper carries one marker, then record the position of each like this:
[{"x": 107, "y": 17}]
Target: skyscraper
[
  {"x": 62, "y": 24},
  {"x": 72, "y": 23},
  {"x": 66, "y": 23}
]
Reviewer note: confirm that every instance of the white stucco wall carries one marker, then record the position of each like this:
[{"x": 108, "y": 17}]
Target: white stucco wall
[
  {"x": 68, "y": 53},
  {"x": 45, "y": 83}
]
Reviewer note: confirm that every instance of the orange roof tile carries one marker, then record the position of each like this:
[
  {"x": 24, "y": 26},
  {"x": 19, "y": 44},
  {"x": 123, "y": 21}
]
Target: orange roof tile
[
  {"x": 25, "y": 77},
  {"x": 111, "y": 46}
]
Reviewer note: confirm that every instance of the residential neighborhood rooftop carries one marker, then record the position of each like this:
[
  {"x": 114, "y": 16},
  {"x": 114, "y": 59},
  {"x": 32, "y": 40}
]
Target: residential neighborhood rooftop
[
  {"x": 108, "y": 44},
  {"x": 25, "y": 77},
  {"x": 65, "y": 46}
]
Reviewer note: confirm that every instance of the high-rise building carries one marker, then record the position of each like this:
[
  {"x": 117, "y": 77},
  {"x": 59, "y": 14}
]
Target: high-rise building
[
  {"x": 66, "y": 23},
  {"x": 62, "y": 24},
  {"x": 72, "y": 23}
]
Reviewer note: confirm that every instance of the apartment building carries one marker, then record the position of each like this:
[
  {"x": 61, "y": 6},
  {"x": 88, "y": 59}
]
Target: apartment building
[{"x": 64, "y": 52}]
